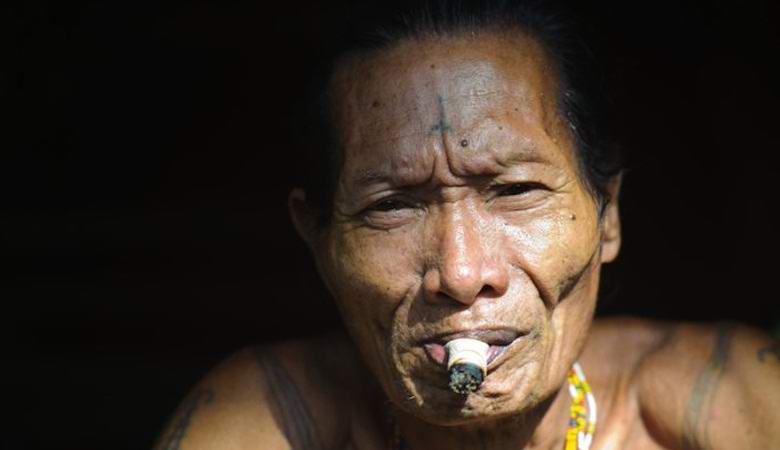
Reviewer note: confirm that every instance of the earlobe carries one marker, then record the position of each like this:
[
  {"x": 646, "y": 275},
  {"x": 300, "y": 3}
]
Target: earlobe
[
  {"x": 303, "y": 216},
  {"x": 610, "y": 227}
]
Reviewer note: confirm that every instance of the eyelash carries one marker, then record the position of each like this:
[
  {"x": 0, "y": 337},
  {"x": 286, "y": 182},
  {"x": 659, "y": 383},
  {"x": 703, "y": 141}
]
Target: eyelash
[
  {"x": 382, "y": 205},
  {"x": 506, "y": 190}
]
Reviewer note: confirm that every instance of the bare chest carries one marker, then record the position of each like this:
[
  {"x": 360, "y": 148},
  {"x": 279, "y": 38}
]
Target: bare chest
[
  {"x": 622, "y": 429},
  {"x": 624, "y": 432}
]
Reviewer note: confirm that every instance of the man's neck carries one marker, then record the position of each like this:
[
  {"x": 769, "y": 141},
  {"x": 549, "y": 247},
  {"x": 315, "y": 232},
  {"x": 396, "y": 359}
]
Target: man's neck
[{"x": 541, "y": 428}]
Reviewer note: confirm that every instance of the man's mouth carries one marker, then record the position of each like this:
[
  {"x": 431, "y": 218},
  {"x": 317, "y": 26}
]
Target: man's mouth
[{"x": 498, "y": 340}]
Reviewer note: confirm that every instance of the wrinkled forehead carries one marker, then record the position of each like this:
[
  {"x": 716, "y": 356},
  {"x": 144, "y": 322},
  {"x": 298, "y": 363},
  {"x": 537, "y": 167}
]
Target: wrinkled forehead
[{"x": 400, "y": 101}]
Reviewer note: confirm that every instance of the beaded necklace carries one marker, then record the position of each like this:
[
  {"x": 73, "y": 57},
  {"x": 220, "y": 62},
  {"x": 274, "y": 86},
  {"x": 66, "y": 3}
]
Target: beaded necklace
[
  {"x": 582, "y": 417},
  {"x": 582, "y": 414}
]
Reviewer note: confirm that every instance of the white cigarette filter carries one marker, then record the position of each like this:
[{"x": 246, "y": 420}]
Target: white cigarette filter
[
  {"x": 467, "y": 364},
  {"x": 467, "y": 351}
]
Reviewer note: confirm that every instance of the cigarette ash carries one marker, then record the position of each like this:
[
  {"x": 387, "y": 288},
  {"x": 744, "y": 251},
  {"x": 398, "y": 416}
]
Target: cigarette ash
[{"x": 465, "y": 378}]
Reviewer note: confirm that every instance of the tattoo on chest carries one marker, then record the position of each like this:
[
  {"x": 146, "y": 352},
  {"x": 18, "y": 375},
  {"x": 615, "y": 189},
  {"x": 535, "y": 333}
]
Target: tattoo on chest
[
  {"x": 695, "y": 429},
  {"x": 288, "y": 405},
  {"x": 181, "y": 423}
]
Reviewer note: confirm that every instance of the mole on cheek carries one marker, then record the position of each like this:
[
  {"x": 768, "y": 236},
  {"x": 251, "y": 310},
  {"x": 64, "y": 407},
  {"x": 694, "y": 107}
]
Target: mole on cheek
[{"x": 376, "y": 104}]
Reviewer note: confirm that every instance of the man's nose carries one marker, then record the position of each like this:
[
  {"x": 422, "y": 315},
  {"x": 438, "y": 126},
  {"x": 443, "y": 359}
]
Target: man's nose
[{"x": 466, "y": 265}]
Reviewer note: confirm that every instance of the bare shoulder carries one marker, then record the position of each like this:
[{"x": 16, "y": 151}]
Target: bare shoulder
[
  {"x": 275, "y": 396},
  {"x": 626, "y": 341},
  {"x": 709, "y": 386},
  {"x": 615, "y": 352}
]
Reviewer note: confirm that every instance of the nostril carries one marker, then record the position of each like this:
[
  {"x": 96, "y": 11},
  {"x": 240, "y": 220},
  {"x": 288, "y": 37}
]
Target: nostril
[{"x": 488, "y": 291}]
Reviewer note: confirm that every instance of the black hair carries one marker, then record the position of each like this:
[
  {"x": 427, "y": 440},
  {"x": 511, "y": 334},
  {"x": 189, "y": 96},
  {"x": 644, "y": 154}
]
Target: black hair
[{"x": 370, "y": 27}]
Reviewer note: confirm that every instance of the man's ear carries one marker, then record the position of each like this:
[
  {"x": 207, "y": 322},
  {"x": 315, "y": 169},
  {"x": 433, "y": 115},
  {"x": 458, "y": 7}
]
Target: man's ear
[
  {"x": 610, "y": 222},
  {"x": 303, "y": 216}
]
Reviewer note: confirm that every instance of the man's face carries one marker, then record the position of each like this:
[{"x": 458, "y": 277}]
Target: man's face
[{"x": 459, "y": 212}]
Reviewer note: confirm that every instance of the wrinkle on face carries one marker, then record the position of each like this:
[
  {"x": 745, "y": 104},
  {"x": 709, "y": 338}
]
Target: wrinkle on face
[
  {"x": 462, "y": 256},
  {"x": 469, "y": 88}
]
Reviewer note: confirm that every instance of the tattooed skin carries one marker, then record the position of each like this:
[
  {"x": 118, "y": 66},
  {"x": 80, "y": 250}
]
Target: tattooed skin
[
  {"x": 773, "y": 350},
  {"x": 441, "y": 126},
  {"x": 181, "y": 423},
  {"x": 288, "y": 405},
  {"x": 695, "y": 421}
]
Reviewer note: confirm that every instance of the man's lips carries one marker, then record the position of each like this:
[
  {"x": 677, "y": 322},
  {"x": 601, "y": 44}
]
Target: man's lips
[{"x": 498, "y": 340}]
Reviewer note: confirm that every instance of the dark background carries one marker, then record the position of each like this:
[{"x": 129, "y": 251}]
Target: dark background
[{"x": 147, "y": 154}]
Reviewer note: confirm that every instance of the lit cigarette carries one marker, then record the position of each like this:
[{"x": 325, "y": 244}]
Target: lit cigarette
[{"x": 467, "y": 364}]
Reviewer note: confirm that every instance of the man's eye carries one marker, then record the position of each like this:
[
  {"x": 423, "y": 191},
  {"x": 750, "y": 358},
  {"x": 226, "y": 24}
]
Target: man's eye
[
  {"x": 518, "y": 189},
  {"x": 391, "y": 213},
  {"x": 388, "y": 205}
]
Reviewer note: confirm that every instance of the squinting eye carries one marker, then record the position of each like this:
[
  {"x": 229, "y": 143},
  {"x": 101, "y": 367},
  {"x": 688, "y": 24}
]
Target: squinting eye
[
  {"x": 388, "y": 205},
  {"x": 518, "y": 188}
]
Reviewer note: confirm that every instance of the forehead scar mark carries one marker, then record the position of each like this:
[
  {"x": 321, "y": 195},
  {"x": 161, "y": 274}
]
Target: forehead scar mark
[{"x": 441, "y": 126}]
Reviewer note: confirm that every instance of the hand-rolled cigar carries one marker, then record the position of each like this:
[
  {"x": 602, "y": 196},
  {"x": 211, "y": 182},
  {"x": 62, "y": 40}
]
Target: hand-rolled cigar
[{"x": 467, "y": 364}]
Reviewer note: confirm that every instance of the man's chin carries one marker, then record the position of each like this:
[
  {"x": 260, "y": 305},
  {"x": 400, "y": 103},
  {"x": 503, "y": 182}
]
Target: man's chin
[
  {"x": 465, "y": 411},
  {"x": 495, "y": 399}
]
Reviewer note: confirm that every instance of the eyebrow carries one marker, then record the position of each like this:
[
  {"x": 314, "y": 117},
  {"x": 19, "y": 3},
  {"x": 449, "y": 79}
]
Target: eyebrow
[
  {"x": 523, "y": 154},
  {"x": 528, "y": 154},
  {"x": 366, "y": 177}
]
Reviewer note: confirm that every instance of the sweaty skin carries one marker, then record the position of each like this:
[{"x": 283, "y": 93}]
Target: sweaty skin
[{"x": 460, "y": 212}]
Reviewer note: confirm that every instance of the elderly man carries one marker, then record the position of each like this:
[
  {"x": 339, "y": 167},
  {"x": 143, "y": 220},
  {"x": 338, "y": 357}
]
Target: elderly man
[{"x": 470, "y": 204}]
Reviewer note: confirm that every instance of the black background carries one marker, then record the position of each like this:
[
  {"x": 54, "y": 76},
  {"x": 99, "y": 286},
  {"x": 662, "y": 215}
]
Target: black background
[{"x": 147, "y": 154}]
